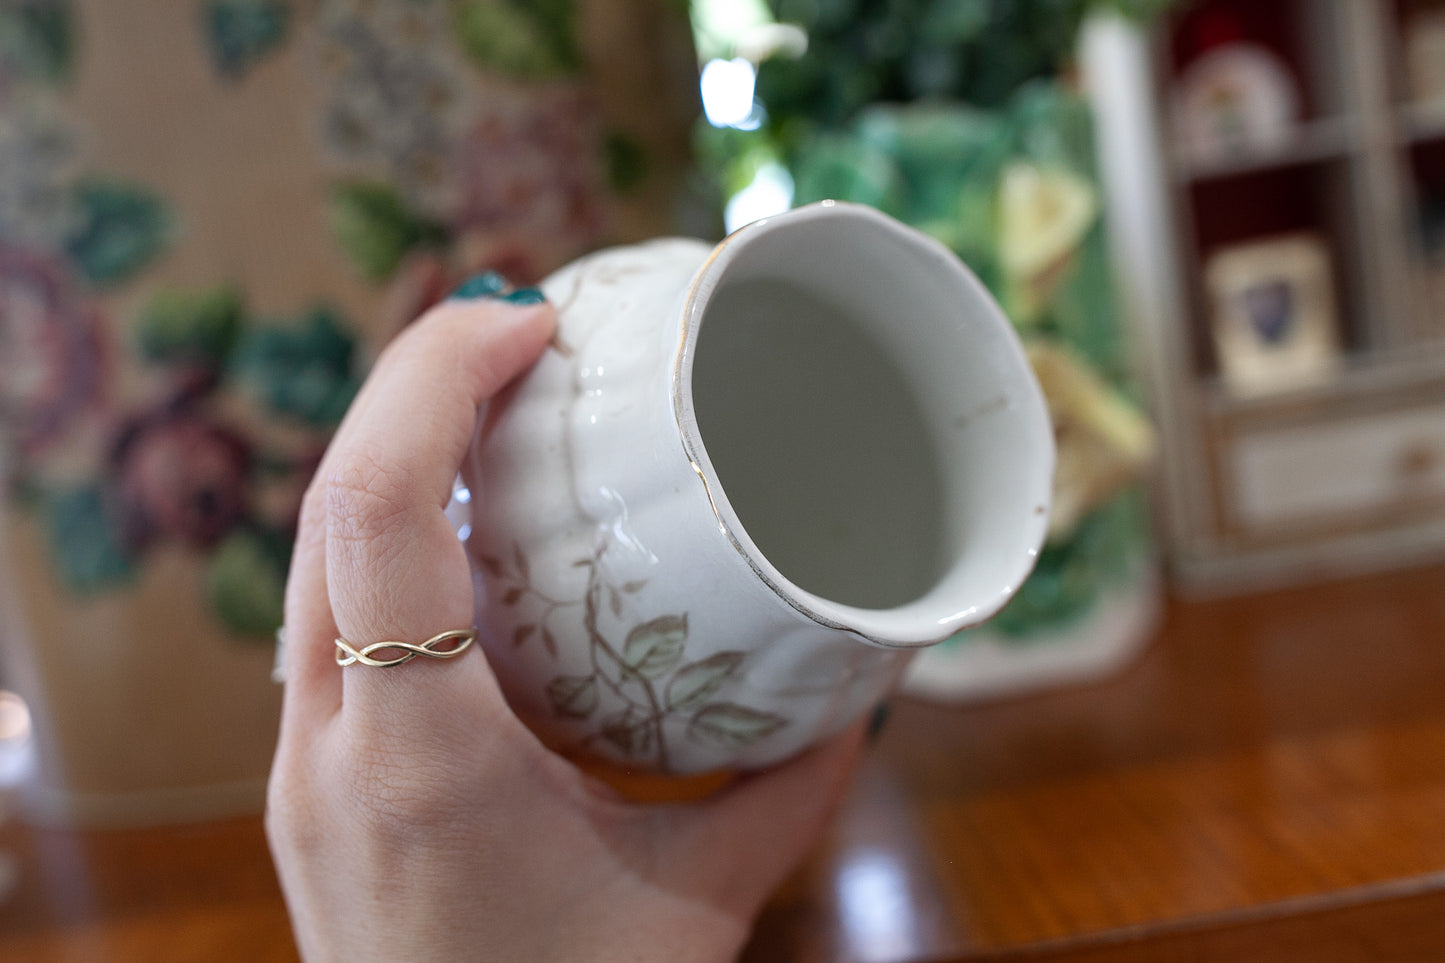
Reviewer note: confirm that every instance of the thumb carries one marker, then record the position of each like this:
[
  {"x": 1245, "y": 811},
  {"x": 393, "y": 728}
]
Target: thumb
[{"x": 755, "y": 832}]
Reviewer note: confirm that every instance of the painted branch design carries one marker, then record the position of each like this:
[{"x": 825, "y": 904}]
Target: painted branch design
[{"x": 643, "y": 681}]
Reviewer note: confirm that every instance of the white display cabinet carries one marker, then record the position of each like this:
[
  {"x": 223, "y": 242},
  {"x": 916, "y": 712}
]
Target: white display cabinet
[{"x": 1327, "y": 463}]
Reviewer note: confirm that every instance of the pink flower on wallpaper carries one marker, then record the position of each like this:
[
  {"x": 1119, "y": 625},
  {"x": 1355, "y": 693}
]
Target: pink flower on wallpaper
[
  {"x": 181, "y": 476},
  {"x": 529, "y": 177},
  {"x": 52, "y": 357}
]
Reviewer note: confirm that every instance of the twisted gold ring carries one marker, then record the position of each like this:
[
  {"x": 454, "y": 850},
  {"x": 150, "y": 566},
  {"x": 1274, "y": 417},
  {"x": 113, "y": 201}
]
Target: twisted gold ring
[{"x": 433, "y": 648}]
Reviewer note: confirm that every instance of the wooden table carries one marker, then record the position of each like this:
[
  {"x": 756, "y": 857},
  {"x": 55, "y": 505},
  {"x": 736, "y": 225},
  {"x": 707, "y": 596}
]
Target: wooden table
[{"x": 1266, "y": 783}]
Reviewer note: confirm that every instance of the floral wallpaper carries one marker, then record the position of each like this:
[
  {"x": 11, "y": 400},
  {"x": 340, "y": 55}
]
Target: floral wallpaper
[{"x": 154, "y": 394}]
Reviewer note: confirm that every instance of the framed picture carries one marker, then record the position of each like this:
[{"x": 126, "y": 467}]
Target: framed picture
[{"x": 1273, "y": 313}]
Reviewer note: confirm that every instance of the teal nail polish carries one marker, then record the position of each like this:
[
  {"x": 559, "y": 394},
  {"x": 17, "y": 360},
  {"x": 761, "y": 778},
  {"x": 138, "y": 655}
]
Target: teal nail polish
[
  {"x": 488, "y": 284},
  {"x": 525, "y": 296}
]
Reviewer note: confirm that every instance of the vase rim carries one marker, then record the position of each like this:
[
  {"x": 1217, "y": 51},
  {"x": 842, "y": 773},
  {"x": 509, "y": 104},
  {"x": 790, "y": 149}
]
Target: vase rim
[{"x": 914, "y": 624}]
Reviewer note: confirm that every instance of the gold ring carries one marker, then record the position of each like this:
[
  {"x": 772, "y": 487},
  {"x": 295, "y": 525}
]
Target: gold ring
[{"x": 433, "y": 648}]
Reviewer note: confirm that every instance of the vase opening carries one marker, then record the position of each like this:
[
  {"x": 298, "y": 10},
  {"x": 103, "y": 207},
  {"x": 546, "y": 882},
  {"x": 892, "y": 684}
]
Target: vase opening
[
  {"x": 820, "y": 444},
  {"x": 872, "y": 438}
]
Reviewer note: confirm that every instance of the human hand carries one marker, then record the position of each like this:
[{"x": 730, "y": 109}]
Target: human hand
[{"x": 411, "y": 815}]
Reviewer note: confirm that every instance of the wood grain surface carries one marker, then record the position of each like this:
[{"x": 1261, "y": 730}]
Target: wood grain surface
[{"x": 1266, "y": 783}]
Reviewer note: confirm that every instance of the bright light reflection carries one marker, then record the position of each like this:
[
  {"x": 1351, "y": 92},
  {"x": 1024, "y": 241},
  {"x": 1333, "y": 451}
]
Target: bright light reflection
[
  {"x": 14, "y": 717},
  {"x": 465, "y": 532},
  {"x": 462, "y": 495},
  {"x": 727, "y": 91},
  {"x": 17, "y": 749},
  {"x": 771, "y": 192},
  {"x": 873, "y": 902},
  {"x": 754, "y": 119}
]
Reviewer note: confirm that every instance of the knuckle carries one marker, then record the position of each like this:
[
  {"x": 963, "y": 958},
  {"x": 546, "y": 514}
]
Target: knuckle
[
  {"x": 405, "y": 796},
  {"x": 367, "y": 498}
]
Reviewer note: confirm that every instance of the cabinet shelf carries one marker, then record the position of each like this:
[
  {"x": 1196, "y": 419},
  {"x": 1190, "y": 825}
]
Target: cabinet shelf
[
  {"x": 1325, "y": 139},
  {"x": 1420, "y": 370},
  {"x": 1421, "y": 121}
]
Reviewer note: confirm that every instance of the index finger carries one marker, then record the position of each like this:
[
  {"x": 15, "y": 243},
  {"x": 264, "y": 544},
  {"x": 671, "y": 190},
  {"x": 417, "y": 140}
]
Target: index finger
[{"x": 395, "y": 569}]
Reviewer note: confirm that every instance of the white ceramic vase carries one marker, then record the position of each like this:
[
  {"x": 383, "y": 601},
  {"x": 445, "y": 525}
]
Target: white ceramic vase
[{"x": 747, "y": 481}]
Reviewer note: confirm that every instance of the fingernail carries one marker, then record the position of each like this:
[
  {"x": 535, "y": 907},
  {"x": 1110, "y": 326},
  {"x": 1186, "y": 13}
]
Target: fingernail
[
  {"x": 879, "y": 721},
  {"x": 488, "y": 284},
  {"x": 525, "y": 296}
]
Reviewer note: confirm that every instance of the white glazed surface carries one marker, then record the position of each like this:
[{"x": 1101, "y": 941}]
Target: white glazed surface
[{"x": 622, "y": 607}]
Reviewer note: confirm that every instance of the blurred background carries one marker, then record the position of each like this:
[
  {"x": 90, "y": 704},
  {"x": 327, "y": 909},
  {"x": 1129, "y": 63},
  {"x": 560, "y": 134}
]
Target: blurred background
[{"x": 1218, "y": 225}]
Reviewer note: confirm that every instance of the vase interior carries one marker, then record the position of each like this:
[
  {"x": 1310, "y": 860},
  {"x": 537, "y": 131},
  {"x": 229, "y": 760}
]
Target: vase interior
[{"x": 820, "y": 443}]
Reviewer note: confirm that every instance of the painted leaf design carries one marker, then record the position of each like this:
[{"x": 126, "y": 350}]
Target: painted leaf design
[
  {"x": 614, "y": 602},
  {"x": 492, "y": 564},
  {"x": 549, "y": 642},
  {"x": 512, "y": 596},
  {"x": 654, "y": 647},
  {"x": 520, "y": 560},
  {"x": 635, "y": 586},
  {"x": 522, "y": 634},
  {"x": 628, "y": 730},
  {"x": 695, "y": 682},
  {"x": 733, "y": 726},
  {"x": 573, "y": 696}
]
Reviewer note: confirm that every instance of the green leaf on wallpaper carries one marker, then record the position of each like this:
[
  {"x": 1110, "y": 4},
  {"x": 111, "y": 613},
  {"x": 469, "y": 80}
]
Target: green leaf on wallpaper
[
  {"x": 376, "y": 229},
  {"x": 189, "y": 327},
  {"x": 239, "y": 33},
  {"x": 120, "y": 229},
  {"x": 528, "y": 40},
  {"x": 37, "y": 39},
  {"x": 626, "y": 162},
  {"x": 84, "y": 542},
  {"x": 246, "y": 583},
  {"x": 302, "y": 369}
]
